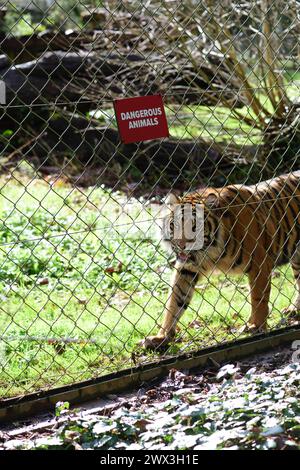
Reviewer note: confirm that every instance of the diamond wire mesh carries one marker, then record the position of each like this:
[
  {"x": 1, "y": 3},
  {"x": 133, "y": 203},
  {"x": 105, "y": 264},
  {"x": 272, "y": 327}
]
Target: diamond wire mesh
[{"x": 83, "y": 275}]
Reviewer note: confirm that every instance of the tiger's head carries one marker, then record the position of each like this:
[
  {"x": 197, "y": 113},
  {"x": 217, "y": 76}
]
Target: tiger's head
[{"x": 191, "y": 227}]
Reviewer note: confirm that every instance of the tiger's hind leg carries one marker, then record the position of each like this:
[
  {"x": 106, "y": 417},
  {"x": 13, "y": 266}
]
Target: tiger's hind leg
[
  {"x": 260, "y": 287},
  {"x": 293, "y": 311}
]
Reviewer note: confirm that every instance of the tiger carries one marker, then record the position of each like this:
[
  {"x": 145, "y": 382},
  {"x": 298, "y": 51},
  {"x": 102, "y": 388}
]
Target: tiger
[{"x": 247, "y": 229}]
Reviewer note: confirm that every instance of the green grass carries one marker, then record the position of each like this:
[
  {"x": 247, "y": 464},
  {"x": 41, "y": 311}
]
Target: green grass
[
  {"x": 210, "y": 123},
  {"x": 104, "y": 288}
]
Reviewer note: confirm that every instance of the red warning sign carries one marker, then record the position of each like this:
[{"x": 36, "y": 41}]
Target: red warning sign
[{"x": 141, "y": 118}]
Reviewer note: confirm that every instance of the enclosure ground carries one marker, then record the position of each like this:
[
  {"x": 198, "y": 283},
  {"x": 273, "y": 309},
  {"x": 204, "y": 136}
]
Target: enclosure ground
[{"x": 249, "y": 404}]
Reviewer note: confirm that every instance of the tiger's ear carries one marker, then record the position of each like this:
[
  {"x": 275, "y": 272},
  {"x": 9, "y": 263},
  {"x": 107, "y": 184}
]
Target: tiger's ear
[
  {"x": 171, "y": 201},
  {"x": 212, "y": 201}
]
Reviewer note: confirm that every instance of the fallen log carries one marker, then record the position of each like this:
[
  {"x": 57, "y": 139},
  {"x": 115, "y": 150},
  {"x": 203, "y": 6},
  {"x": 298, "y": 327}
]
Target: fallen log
[
  {"x": 88, "y": 154},
  {"x": 89, "y": 80}
]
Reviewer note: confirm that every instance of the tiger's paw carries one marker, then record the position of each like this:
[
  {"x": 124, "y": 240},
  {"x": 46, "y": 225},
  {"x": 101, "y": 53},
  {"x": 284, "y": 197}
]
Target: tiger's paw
[
  {"x": 291, "y": 316},
  {"x": 292, "y": 312},
  {"x": 253, "y": 329},
  {"x": 155, "y": 342}
]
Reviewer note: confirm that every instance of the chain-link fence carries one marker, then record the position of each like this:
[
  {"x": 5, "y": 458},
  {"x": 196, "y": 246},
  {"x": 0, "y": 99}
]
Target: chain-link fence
[{"x": 84, "y": 277}]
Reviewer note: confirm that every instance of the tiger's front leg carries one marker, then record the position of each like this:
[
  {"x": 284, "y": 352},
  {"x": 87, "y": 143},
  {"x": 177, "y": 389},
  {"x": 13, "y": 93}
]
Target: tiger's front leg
[{"x": 183, "y": 284}]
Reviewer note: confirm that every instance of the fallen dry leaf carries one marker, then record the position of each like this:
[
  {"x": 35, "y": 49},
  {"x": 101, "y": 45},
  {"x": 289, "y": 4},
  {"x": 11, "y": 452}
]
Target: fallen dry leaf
[{"x": 114, "y": 269}]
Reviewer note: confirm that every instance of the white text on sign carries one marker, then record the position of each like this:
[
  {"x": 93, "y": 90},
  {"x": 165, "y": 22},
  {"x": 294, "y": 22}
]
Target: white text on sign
[{"x": 142, "y": 113}]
